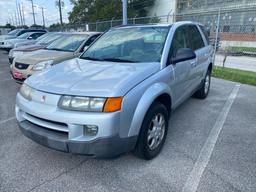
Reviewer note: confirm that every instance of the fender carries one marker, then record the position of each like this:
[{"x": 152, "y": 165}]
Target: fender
[{"x": 145, "y": 102}]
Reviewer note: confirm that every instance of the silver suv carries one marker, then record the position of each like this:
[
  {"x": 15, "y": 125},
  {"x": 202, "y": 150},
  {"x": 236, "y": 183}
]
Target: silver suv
[{"x": 119, "y": 94}]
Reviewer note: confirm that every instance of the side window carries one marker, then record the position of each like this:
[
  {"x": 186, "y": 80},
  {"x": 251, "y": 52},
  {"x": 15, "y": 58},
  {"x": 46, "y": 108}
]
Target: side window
[
  {"x": 89, "y": 42},
  {"x": 206, "y": 33},
  {"x": 194, "y": 38},
  {"x": 35, "y": 35},
  {"x": 179, "y": 41},
  {"x": 22, "y": 32}
]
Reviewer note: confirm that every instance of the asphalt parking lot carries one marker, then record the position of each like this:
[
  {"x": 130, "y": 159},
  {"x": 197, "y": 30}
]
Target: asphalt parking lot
[{"x": 210, "y": 146}]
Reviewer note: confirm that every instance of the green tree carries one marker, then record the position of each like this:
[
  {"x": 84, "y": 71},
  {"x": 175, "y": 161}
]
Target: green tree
[{"x": 98, "y": 10}]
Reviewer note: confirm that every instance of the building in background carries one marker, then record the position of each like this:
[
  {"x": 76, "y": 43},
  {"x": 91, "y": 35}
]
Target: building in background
[
  {"x": 165, "y": 9},
  {"x": 236, "y": 15}
]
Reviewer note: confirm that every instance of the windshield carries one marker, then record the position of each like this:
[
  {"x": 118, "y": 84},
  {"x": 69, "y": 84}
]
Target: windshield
[
  {"x": 14, "y": 32},
  {"x": 136, "y": 44},
  {"x": 68, "y": 43},
  {"x": 23, "y": 36},
  {"x": 48, "y": 38}
]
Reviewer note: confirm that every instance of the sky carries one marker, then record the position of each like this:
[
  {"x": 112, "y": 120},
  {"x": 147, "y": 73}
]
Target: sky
[{"x": 51, "y": 12}]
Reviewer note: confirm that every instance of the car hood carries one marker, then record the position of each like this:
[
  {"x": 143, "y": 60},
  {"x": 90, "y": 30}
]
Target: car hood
[
  {"x": 92, "y": 78},
  {"x": 5, "y": 37},
  {"x": 29, "y": 47},
  {"x": 13, "y": 41},
  {"x": 43, "y": 55},
  {"x": 25, "y": 43}
]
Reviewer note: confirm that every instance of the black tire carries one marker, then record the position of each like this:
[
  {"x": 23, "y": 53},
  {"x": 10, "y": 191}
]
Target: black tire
[
  {"x": 203, "y": 92},
  {"x": 143, "y": 149}
]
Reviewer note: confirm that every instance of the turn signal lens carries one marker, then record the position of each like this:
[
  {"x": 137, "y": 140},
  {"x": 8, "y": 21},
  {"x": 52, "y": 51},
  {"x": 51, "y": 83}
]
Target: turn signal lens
[{"x": 113, "y": 104}]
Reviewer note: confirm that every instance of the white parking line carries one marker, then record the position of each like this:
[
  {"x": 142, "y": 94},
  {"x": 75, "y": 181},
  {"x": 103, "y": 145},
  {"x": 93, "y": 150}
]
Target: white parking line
[
  {"x": 6, "y": 120},
  {"x": 206, "y": 152}
]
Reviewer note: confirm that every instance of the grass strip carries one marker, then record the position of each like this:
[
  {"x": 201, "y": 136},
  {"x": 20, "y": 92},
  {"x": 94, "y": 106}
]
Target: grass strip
[{"x": 241, "y": 76}]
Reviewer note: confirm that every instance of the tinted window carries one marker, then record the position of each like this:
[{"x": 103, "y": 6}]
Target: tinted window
[
  {"x": 36, "y": 35},
  {"x": 89, "y": 42},
  {"x": 206, "y": 34},
  {"x": 179, "y": 41},
  {"x": 194, "y": 37}
]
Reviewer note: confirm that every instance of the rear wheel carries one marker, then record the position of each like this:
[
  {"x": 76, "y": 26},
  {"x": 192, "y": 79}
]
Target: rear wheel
[
  {"x": 203, "y": 92},
  {"x": 153, "y": 132}
]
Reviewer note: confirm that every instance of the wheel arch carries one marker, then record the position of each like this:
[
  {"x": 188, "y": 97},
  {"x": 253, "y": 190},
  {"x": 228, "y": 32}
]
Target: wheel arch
[
  {"x": 160, "y": 92},
  {"x": 210, "y": 67}
]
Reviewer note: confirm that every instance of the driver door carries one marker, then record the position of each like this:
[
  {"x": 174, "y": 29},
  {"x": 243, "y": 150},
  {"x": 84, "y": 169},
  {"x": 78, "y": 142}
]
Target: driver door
[{"x": 181, "y": 85}]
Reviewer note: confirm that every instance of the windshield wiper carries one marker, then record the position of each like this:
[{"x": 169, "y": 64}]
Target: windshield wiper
[
  {"x": 91, "y": 58},
  {"x": 118, "y": 60},
  {"x": 55, "y": 49}
]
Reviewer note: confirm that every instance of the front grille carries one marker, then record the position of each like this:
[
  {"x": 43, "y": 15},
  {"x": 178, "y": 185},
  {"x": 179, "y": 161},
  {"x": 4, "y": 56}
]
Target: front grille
[
  {"x": 21, "y": 65},
  {"x": 48, "y": 124}
]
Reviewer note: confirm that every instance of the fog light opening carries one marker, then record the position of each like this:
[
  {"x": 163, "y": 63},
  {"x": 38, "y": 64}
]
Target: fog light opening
[{"x": 90, "y": 130}]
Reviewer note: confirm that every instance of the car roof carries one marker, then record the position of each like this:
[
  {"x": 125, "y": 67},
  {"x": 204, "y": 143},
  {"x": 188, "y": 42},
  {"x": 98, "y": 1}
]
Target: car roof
[
  {"x": 30, "y": 33},
  {"x": 143, "y": 25},
  {"x": 81, "y": 33},
  {"x": 159, "y": 25}
]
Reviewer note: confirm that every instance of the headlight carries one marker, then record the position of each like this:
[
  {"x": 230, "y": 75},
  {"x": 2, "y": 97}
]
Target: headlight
[
  {"x": 42, "y": 65},
  {"x": 90, "y": 104},
  {"x": 16, "y": 53},
  {"x": 26, "y": 91},
  {"x": 11, "y": 53},
  {"x": 8, "y": 43}
]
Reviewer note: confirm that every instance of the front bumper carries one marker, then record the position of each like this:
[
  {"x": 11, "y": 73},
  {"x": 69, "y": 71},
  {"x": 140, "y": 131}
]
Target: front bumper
[
  {"x": 101, "y": 147},
  {"x": 26, "y": 73},
  {"x": 6, "y": 47},
  {"x": 11, "y": 59},
  {"x": 46, "y": 124}
]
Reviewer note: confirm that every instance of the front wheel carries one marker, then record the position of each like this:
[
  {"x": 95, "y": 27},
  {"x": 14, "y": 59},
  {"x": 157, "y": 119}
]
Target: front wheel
[
  {"x": 153, "y": 132},
  {"x": 203, "y": 92}
]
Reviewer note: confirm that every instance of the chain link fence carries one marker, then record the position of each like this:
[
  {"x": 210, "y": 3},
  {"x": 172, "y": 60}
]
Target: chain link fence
[{"x": 232, "y": 32}]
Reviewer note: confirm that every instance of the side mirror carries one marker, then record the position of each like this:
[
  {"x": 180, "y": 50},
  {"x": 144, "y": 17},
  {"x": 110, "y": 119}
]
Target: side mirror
[
  {"x": 29, "y": 38},
  {"x": 184, "y": 54}
]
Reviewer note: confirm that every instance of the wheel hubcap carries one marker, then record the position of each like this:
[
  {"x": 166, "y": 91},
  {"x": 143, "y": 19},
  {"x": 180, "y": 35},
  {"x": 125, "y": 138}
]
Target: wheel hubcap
[
  {"x": 207, "y": 84},
  {"x": 156, "y": 131}
]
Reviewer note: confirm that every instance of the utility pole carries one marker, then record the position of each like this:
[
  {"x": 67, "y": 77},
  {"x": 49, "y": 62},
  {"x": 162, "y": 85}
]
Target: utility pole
[
  {"x": 42, "y": 9},
  {"x": 18, "y": 15},
  {"x": 23, "y": 14},
  {"x": 33, "y": 11},
  {"x": 15, "y": 15},
  {"x": 124, "y": 12},
  {"x": 21, "y": 19},
  {"x": 13, "y": 24},
  {"x": 59, "y": 5}
]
